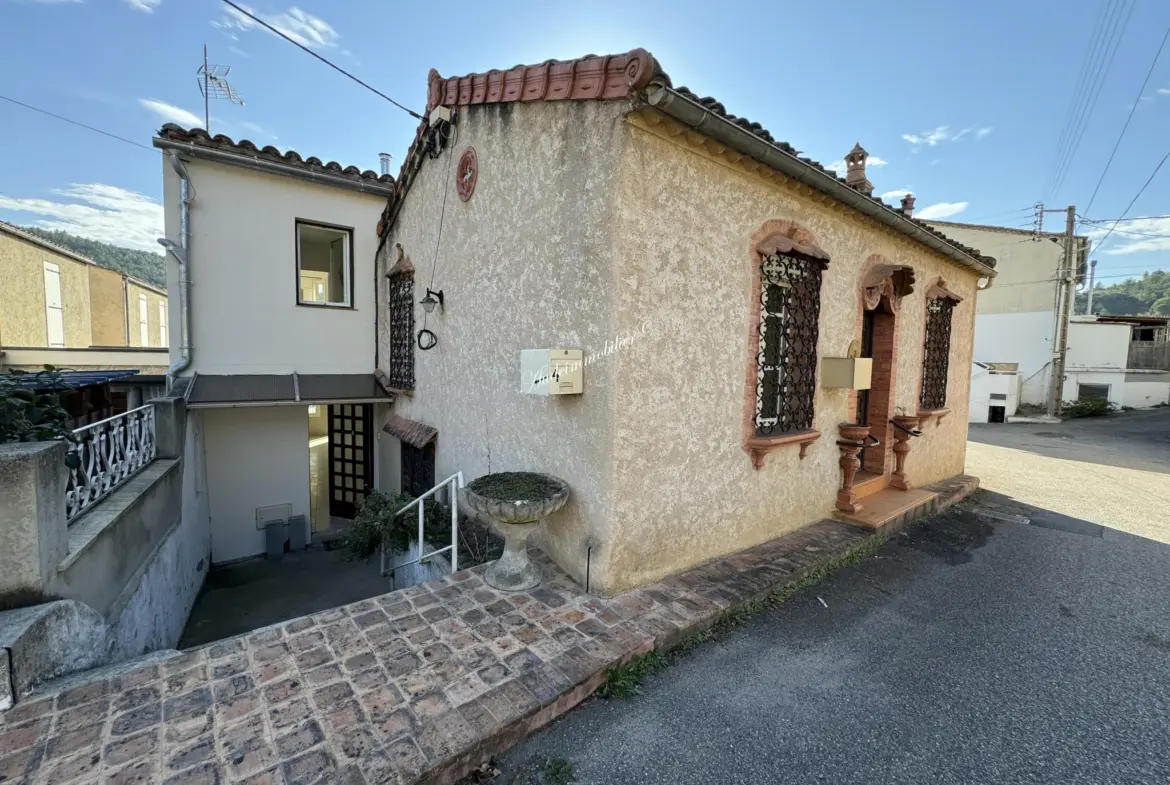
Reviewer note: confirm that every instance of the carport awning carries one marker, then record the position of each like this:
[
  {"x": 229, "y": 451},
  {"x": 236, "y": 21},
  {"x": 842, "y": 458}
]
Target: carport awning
[{"x": 211, "y": 391}]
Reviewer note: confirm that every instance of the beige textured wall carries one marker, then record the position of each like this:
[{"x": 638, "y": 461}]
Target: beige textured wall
[
  {"x": 685, "y": 490},
  {"x": 1024, "y": 269},
  {"x": 527, "y": 263},
  {"x": 134, "y": 291},
  {"x": 22, "y": 294},
  {"x": 107, "y": 307},
  {"x": 585, "y": 232}
]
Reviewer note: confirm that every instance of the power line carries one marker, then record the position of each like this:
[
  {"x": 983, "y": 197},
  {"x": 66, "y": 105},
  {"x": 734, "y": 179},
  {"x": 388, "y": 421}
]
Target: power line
[
  {"x": 1134, "y": 199},
  {"x": 1090, "y": 68},
  {"x": 997, "y": 215},
  {"x": 1074, "y": 100},
  {"x": 1096, "y": 94},
  {"x": 1107, "y": 220},
  {"x": 337, "y": 68},
  {"x": 74, "y": 122},
  {"x": 1125, "y": 127}
]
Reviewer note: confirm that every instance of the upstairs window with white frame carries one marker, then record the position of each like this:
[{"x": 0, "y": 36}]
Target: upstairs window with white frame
[
  {"x": 324, "y": 265},
  {"x": 163, "y": 338}
]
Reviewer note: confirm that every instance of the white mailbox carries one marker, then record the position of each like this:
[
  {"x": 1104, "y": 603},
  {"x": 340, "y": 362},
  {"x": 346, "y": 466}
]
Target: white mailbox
[{"x": 552, "y": 371}]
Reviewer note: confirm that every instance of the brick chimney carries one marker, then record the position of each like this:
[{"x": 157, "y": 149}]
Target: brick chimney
[
  {"x": 855, "y": 170},
  {"x": 908, "y": 205}
]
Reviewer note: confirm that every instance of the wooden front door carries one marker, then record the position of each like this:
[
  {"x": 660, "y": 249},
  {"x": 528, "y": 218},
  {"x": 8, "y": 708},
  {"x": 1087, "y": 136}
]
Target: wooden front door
[{"x": 351, "y": 464}]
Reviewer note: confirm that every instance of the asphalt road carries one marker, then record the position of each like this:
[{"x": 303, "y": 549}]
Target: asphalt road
[
  {"x": 1110, "y": 470},
  {"x": 996, "y": 644}
]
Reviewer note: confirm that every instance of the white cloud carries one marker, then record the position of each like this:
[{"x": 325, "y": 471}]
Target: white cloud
[
  {"x": 100, "y": 212},
  {"x": 172, "y": 113},
  {"x": 929, "y": 138},
  {"x": 237, "y": 50},
  {"x": 146, "y": 6},
  {"x": 897, "y": 193},
  {"x": 941, "y": 210},
  {"x": 1163, "y": 91},
  {"x": 301, "y": 26},
  {"x": 840, "y": 168},
  {"x": 1133, "y": 235},
  {"x": 943, "y": 133}
]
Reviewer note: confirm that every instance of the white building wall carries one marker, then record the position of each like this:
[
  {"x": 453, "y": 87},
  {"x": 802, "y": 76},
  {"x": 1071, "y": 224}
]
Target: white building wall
[
  {"x": 1097, "y": 345},
  {"x": 984, "y": 384},
  {"x": 1142, "y": 394},
  {"x": 245, "y": 317},
  {"x": 255, "y": 457},
  {"x": 1021, "y": 338}
]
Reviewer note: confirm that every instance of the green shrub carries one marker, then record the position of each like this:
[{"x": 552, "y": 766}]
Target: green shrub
[
  {"x": 30, "y": 416},
  {"x": 1088, "y": 407},
  {"x": 377, "y": 521}
]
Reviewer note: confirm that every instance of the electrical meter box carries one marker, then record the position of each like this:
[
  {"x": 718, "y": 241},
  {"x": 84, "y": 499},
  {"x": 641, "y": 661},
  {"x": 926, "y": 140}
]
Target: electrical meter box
[{"x": 552, "y": 371}]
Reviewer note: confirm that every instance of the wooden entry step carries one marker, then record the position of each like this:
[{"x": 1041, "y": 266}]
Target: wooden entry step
[
  {"x": 869, "y": 483},
  {"x": 886, "y": 506}
]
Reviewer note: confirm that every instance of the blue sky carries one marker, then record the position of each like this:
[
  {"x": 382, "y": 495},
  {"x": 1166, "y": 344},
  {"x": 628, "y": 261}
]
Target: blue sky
[{"x": 963, "y": 103}]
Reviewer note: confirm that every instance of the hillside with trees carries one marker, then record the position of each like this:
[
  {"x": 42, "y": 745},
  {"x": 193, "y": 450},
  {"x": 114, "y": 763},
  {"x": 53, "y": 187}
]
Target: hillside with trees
[
  {"x": 1149, "y": 294},
  {"x": 146, "y": 266}
]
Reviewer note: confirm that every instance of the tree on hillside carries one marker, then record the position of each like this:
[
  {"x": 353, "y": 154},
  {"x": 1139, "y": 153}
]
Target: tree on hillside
[
  {"x": 145, "y": 266},
  {"x": 1131, "y": 297}
]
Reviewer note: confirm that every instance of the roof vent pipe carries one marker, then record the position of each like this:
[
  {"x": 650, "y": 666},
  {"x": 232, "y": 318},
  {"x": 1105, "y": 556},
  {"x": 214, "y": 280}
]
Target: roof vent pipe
[{"x": 384, "y": 159}]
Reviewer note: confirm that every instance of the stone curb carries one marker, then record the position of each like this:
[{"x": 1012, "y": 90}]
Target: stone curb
[{"x": 950, "y": 492}]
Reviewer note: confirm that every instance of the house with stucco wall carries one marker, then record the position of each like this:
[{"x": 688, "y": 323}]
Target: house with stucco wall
[{"x": 763, "y": 343}]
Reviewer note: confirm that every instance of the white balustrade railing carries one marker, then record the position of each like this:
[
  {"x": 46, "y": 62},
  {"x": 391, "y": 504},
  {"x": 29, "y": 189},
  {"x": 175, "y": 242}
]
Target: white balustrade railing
[{"x": 106, "y": 454}]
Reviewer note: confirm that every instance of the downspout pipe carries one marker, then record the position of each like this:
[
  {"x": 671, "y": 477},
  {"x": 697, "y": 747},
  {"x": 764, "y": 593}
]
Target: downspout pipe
[
  {"x": 715, "y": 126},
  {"x": 182, "y": 255}
]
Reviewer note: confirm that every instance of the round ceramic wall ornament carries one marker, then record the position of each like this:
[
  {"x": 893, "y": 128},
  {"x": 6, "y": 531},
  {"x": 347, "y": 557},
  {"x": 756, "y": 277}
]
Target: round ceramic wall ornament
[{"x": 466, "y": 174}]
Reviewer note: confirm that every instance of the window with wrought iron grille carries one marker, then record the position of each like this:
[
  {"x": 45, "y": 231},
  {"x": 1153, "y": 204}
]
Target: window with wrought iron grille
[
  {"x": 400, "y": 315},
  {"x": 790, "y": 307},
  {"x": 936, "y": 353}
]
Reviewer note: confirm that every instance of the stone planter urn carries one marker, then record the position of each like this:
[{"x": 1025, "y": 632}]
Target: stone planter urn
[{"x": 516, "y": 503}]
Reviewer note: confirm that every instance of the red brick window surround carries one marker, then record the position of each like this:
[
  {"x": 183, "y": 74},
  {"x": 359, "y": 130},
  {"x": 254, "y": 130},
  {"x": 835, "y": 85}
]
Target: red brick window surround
[
  {"x": 936, "y": 348},
  {"x": 784, "y": 329}
]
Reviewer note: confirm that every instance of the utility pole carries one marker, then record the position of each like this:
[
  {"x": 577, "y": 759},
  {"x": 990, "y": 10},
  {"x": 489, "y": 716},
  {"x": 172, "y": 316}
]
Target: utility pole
[{"x": 1066, "y": 280}]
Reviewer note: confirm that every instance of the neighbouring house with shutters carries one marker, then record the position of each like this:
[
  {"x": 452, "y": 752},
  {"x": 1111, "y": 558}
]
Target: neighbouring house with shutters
[
  {"x": 764, "y": 344},
  {"x": 271, "y": 260},
  {"x": 58, "y": 307}
]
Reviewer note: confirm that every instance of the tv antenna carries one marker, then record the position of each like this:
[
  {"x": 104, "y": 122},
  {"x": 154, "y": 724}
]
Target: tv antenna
[{"x": 213, "y": 83}]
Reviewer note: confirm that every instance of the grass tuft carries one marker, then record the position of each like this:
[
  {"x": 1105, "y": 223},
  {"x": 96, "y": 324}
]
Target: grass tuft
[
  {"x": 557, "y": 771},
  {"x": 625, "y": 681}
]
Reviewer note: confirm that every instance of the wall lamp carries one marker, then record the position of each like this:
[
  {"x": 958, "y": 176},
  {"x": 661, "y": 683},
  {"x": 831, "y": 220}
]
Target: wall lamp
[{"x": 432, "y": 299}]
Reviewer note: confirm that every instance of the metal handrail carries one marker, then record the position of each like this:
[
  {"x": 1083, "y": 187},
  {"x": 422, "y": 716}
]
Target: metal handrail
[{"x": 455, "y": 481}]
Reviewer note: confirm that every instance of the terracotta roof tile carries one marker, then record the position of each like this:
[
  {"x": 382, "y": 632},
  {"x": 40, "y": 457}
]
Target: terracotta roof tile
[
  {"x": 591, "y": 77},
  {"x": 200, "y": 138}
]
